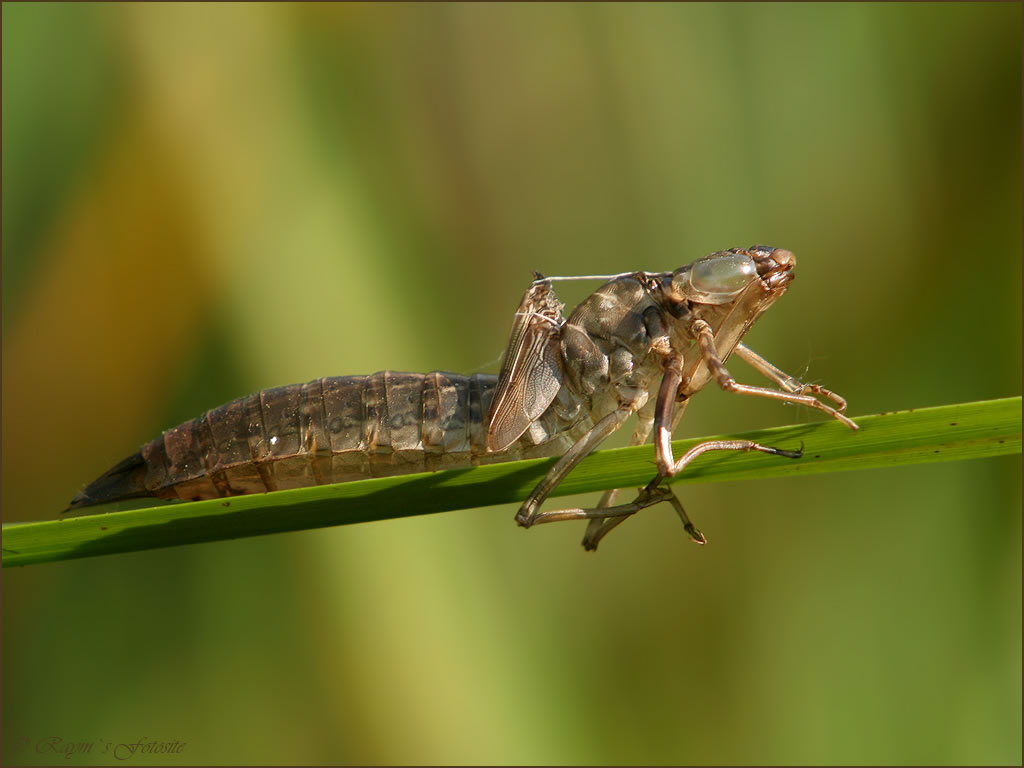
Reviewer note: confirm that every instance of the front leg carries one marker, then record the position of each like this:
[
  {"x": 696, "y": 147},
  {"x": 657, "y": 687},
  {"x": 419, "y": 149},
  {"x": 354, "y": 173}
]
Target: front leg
[
  {"x": 706, "y": 341},
  {"x": 784, "y": 380}
]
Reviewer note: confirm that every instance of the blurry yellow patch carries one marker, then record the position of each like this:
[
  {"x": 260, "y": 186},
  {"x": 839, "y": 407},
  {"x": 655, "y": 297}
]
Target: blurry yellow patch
[{"x": 100, "y": 336}]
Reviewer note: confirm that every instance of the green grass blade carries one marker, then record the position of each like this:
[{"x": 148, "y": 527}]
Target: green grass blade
[{"x": 945, "y": 433}]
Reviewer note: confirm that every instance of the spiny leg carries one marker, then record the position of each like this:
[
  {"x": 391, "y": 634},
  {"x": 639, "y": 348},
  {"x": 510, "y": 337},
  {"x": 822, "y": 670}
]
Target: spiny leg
[
  {"x": 663, "y": 421},
  {"x": 668, "y": 467},
  {"x": 647, "y": 497},
  {"x": 668, "y": 410},
  {"x": 784, "y": 380},
  {"x": 695, "y": 535},
  {"x": 706, "y": 340},
  {"x": 652, "y": 494},
  {"x": 598, "y": 527},
  {"x": 527, "y": 514}
]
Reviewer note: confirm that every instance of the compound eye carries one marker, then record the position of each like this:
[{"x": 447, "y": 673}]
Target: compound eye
[{"x": 716, "y": 279}]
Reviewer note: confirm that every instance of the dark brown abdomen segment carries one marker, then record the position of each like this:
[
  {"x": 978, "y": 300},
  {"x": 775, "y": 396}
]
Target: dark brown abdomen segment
[{"x": 326, "y": 431}]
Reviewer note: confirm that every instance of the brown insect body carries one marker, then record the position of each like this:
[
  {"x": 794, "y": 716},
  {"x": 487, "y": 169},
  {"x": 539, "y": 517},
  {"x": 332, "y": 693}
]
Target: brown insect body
[
  {"x": 642, "y": 343},
  {"x": 331, "y": 430}
]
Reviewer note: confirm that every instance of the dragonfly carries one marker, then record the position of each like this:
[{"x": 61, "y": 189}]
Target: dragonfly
[{"x": 642, "y": 344}]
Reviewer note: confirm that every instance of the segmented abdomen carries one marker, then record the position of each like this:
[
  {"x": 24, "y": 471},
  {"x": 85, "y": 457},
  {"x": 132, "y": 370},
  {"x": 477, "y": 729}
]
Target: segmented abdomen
[{"x": 326, "y": 431}]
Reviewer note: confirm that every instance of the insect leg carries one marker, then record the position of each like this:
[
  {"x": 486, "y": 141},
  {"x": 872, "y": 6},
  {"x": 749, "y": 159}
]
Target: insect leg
[
  {"x": 598, "y": 527},
  {"x": 668, "y": 411},
  {"x": 667, "y": 465},
  {"x": 695, "y": 535},
  {"x": 527, "y": 514},
  {"x": 649, "y": 496},
  {"x": 784, "y": 380},
  {"x": 706, "y": 340}
]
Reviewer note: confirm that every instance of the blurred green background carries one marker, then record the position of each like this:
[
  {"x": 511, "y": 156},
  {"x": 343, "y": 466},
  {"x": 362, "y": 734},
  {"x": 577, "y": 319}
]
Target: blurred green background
[{"x": 200, "y": 201}]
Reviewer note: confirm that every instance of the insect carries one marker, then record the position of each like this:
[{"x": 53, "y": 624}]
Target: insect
[{"x": 643, "y": 343}]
